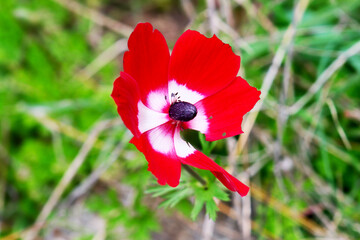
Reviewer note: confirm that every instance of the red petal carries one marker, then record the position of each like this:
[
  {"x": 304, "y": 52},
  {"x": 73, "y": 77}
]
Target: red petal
[
  {"x": 188, "y": 155},
  {"x": 147, "y": 59},
  {"x": 126, "y": 96},
  {"x": 137, "y": 142},
  {"x": 225, "y": 110},
  {"x": 199, "y": 160},
  {"x": 203, "y": 64},
  {"x": 158, "y": 147}
]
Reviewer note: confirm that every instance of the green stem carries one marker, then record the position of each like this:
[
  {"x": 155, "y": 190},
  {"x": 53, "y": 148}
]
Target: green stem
[{"x": 195, "y": 175}]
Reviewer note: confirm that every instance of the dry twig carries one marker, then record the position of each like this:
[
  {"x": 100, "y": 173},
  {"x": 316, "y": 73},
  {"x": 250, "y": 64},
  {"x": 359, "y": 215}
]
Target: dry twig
[
  {"x": 339, "y": 129},
  {"x": 211, "y": 15},
  {"x": 96, "y": 17},
  {"x": 208, "y": 228},
  {"x": 257, "y": 15},
  {"x": 324, "y": 77},
  {"x": 67, "y": 177},
  {"x": 271, "y": 74},
  {"x": 104, "y": 58},
  {"x": 96, "y": 174}
]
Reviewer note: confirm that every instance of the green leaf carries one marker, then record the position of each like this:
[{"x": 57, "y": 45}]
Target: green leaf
[
  {"x": 355, "y": 62},
  {"x": 197, "y": 208},
  {"x": 206, "y": 196},
  {"x": 203, "y": 142},
  {"x": 221, "y": 194},
  {"x": 175, "y": 197},
  {"x": 211, "y": 209},
  {"x": 159, "y": 190}
]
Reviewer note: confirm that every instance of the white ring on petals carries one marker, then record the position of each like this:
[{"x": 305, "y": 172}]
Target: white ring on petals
[
  {"x": 156, "y": 100},
  {"x": 161, "y": 139},
  {"x": 182, "y": 148},
  {"x": 201, "y": 121},
  {"x": 186, "y": 95},
  {"x": 149, "y": 119}
]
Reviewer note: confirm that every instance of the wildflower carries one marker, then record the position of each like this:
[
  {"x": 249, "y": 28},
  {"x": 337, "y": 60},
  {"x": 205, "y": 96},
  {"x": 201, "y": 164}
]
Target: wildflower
[{"x": 158, "y": 95}]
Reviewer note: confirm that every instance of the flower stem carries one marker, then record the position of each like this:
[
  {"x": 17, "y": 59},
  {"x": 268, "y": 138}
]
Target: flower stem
[{"x": 195, "y": 175}]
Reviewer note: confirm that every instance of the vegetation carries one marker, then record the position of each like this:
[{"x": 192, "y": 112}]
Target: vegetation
[{"x": 65, "y": 160}]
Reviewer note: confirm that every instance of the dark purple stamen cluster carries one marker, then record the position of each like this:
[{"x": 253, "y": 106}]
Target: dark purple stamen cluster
[{"x": 182, "y": 111}]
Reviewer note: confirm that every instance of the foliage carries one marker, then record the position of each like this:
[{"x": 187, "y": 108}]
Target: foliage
[{"x": 304, "y": 169}]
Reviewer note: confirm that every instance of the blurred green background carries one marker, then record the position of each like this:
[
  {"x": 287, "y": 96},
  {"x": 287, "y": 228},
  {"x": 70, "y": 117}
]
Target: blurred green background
[{"x": 58, "y": 60}]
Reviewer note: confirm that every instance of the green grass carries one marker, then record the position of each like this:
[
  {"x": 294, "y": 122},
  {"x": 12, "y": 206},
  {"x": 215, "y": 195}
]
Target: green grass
[{"x": 49, "y": 105}]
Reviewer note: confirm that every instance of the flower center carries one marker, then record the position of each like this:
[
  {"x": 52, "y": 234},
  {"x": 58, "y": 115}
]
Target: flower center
[{"x": 182, "y": 111}]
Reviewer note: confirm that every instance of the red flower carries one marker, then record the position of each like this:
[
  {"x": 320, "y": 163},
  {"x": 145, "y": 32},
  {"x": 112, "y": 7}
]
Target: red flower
[{"x": 196, "y": 88}]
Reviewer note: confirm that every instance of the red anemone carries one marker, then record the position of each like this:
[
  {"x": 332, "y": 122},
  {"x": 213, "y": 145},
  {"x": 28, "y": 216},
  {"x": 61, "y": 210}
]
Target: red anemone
[{"x": 158, "y": 95}]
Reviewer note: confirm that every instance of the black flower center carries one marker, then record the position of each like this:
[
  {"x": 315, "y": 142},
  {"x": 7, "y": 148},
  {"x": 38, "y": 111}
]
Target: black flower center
[{"x": 182, "y": 111}]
